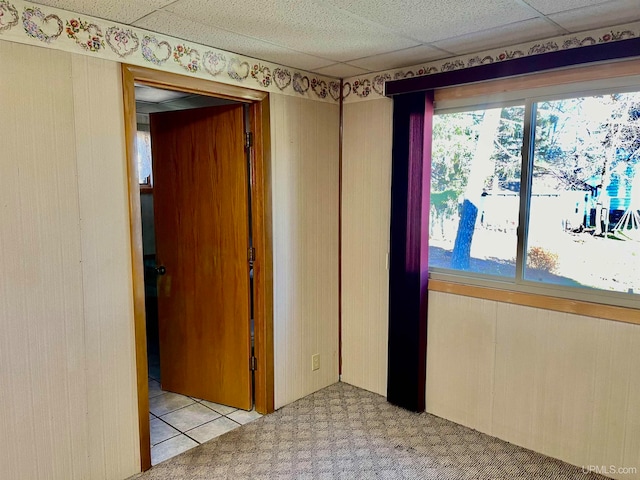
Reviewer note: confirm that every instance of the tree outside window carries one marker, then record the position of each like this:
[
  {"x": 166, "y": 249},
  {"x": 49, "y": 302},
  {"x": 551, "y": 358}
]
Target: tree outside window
[{"x": 583, "y": 204}]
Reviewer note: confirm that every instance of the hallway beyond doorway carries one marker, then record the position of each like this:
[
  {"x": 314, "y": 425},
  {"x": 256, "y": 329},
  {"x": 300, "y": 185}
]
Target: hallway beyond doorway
[{"x": 179, "y": 423}]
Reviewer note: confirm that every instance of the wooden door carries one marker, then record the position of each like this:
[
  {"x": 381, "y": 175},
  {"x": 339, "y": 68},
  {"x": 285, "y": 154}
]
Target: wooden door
[{"x": 202, "y": 239}]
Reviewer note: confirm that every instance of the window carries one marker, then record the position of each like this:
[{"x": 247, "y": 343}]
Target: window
[
  {"x": 544, "y": 193},
  {"x": 143, "y": 151},
  {"x": 475, "y": 190}
]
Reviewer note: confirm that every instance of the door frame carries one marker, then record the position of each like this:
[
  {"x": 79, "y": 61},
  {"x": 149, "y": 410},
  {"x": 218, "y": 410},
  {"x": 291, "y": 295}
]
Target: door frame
[{"x": 260, "y": 186}]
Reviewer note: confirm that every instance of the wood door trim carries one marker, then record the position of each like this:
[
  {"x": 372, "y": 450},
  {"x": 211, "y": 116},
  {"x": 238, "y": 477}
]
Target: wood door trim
[
  {"x": 262, "y": 233},
  {"x": 263, "y": 264},
  {"x": 172, "y": 81},
  {"x": 137, "y": 262}
]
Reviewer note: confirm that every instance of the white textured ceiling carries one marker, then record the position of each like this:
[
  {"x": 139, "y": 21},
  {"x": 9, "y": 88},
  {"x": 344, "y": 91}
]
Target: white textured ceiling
[
  {"x": 152, "y": 100},
  {"x": 342, "y": 38}
]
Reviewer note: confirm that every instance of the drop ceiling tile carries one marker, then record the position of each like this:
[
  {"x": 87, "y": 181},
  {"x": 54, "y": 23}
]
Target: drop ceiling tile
[
  {"x": 400, "y": 58},
  {"x": 554, "y": 6},
  {"x": 122, "y": 11},
  {"x": 170, "y": 24},
  {"x": 156, "y": 95},
  {"x": 513, "y": 34},
  {"x": 304, "y": 25},
  {"x": 599, "y": 16},
  {"x": 341, "y": 70},
  {"x": 432, "y": 20}
]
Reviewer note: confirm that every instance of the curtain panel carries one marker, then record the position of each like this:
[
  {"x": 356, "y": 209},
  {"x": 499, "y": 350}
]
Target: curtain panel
[{"x": 408, "y": 275}]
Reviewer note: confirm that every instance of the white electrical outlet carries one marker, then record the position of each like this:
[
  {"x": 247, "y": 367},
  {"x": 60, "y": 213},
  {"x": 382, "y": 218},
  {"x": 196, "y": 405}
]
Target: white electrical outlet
[{"x": 315, "y": 362}]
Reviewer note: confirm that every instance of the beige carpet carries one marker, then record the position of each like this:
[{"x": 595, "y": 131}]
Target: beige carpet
[{"x": 343, "y": 432}]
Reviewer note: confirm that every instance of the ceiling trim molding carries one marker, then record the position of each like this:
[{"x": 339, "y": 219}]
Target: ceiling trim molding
[
  {"x": 57, "y": 29},
  {"x": 372, "y": 86}
]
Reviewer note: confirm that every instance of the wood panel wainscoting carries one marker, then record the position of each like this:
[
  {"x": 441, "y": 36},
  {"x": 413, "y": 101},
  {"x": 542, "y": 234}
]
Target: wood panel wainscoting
[
  {"x": 260, "y": 185},
  {"x": 565, "y": 305}
]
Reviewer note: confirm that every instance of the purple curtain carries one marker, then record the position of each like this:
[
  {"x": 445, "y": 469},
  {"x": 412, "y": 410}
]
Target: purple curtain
[{"x": 409, "y": 258}]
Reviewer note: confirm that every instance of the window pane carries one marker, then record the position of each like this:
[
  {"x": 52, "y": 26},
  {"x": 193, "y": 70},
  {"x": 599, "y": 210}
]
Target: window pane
[
  {"x": 584, "y": 221},
  {"x": 475, "y": 185},
  {"x": 143, "y": 149}
]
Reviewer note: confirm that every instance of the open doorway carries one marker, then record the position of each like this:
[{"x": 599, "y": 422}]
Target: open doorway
[
  {"x": 151, "y": 100},
  {"x": 198, "y": 397},
  {"x": 173, "y": 102}
]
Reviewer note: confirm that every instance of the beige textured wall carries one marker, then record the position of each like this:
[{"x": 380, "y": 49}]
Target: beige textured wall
[
  {"x": 564, "y": 385},
  {"x": 67, "y": 383},
  {"x": 67, "y": 380},
  {"x": 366, "y": 204},
  {"x": 305, "y": 179}
]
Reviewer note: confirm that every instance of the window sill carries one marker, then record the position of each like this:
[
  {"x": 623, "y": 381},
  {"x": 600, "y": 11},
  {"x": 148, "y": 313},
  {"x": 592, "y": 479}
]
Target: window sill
[{"x": 577, "y": 307}]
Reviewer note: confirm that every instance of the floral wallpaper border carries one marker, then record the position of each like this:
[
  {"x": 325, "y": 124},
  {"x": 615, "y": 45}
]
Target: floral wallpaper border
[
  {"x": 32, "y": 24},
  {"x": 371, "y": 86}
]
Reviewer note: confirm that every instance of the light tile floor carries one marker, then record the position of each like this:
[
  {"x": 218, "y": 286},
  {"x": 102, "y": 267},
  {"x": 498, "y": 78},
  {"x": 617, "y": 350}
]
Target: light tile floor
[{"x": 179, "y": 423}]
